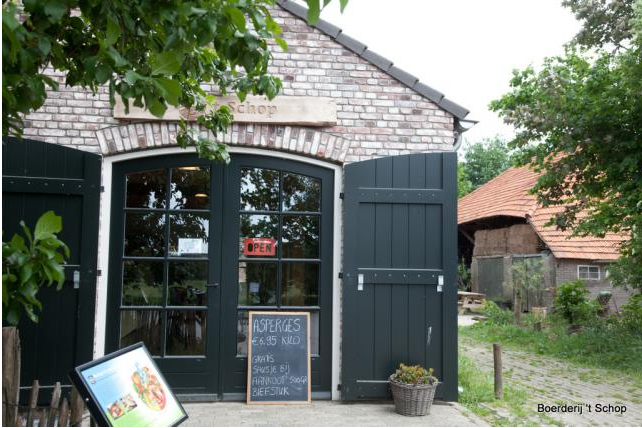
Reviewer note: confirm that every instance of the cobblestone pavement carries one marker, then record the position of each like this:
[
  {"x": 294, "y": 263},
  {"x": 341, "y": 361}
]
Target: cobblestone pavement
[
  {"x": 550, "y": 381},
  {"x": 323, "y": 413}
]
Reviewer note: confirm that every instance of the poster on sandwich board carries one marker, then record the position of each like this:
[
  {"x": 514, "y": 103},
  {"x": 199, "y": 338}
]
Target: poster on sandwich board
[{"x": 126, "y": 389}]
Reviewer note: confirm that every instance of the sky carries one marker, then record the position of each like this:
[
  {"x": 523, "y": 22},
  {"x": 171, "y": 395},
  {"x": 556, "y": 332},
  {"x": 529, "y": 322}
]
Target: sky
[{"x": 466, "y": 49}]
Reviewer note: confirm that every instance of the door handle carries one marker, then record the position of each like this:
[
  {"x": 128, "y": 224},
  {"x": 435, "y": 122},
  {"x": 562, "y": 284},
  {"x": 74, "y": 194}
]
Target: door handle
[{"x": 212, "y": 285}]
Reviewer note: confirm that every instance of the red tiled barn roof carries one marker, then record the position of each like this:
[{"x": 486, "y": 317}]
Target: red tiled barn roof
[{"x": 508, "y": 195}]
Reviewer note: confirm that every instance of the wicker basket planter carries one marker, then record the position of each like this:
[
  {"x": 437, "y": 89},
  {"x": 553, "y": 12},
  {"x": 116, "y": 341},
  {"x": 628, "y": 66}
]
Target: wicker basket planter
[{"x": 411, "y": 399}]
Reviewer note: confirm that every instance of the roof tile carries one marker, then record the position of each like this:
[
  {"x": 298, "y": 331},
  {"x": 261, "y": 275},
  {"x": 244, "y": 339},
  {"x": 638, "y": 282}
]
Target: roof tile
[{"x": 508, "y": 195}]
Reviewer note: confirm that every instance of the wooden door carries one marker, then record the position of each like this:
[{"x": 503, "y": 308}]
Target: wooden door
[
  {"x": 38, "y": 177},
  {"x": 399, "y": 279}
]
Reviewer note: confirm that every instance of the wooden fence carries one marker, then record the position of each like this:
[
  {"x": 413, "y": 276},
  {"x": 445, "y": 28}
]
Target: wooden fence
[{"x": 60, "y": 412}]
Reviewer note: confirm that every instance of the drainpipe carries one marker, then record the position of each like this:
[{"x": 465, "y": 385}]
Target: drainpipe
[{"x": 458, "y": 141}]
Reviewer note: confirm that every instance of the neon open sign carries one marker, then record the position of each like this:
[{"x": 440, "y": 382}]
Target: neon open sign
[{"x": 259, "y": 247}]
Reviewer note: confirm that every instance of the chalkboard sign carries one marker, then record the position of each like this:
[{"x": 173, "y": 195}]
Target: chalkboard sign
[{"x": 278, "y": 358}]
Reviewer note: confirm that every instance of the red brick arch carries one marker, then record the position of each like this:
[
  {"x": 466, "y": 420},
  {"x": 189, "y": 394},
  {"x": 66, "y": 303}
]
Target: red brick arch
[{"x": 305, "y": 141}]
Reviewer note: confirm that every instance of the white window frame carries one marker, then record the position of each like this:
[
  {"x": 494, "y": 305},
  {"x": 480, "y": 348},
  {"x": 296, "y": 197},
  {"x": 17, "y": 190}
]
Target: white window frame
[{"x": 588, "y": 272}]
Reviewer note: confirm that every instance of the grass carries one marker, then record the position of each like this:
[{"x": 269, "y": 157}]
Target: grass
[
  {"x": 479, "y": 397},
  {"x": 599, "y": 346}
]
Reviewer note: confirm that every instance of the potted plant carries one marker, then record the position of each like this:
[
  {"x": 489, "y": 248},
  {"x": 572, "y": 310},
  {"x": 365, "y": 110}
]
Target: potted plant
[{"x": 413, "y": 389}]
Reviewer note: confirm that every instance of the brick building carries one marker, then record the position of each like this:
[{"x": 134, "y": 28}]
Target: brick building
[
  {"x": 342, "y": 105},
  {"x": 501, "y": 221},
  {"x": 381, "y": 109}
]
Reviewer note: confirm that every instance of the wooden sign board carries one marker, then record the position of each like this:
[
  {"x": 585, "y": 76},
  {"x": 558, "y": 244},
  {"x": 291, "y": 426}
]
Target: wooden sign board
[
  {"x": 310, "y": 111},
  {"x": 278, "y": 358}
]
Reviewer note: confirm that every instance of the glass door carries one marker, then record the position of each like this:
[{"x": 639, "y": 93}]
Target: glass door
[
  {"x": 166, "y": 270},
  {"x": 277, "y": 257}
]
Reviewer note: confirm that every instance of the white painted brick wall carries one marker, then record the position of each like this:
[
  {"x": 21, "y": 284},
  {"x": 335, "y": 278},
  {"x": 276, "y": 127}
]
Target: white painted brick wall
[{"x": 378, "y": 115}]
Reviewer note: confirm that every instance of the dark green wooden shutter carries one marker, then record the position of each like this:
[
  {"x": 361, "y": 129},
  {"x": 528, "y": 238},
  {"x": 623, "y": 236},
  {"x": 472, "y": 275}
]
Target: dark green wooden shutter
[
  {"x": 37, "y": 177},
  {"x": 400, "y": 231}
]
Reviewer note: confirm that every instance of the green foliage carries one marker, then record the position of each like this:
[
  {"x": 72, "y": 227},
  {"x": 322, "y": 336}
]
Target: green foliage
[
  {"x": 315, "y": 7},
  {"x": 630, "y": 316},
  {"x": 152, "y": 54},
  {"x": 572, "y": 303},
  {"x": 496, "y": 315},
  {"x": 463, "y": 276},
  {"x": 414, "y": 375},
  {"x": 477, "y": 386},
  {"x": 478, "y": 395},
  {"x": 607, "y": 343},
  {"x": 528, "y": 276},
  {"x": 585, "y": 110},
  {"x": 485, "y": 160},
  {"x": 30, "y": 264},
  {"x": 607, "y": 23},
  {"x": 464, "y": 186}
]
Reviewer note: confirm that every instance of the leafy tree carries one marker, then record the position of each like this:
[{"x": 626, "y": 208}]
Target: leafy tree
[
  {"x": 485, "y": 160},
  {"x": 29, "y": 264},
  {"x": 152, "y": 54},
  {"x": 585, "y": 110},
  {"x": 464, "y": 186},
  {"x": 528, "y": 276}
]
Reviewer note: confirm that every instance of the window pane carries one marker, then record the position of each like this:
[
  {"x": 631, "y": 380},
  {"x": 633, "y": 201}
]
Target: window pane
[
  {"x": 187, "y": 284},
  {"x": 190, "y": 188},
  {"x": 257, "y": 284},
  {"x": 186, "y": 332},
  {"x": 300, "y": 284},
  {"x": 144, "y": 234},
  {"x": 147, "y": 189},
  {"x": 259, "y": 189},
  {"x": 300, "y": 237},
  {"x": 142, "y": 283},
  {"x": 301, "y": 193},
  {"x": 241, "y": 333},
  {"x": 139, "y": 325},
  {"x": 258, "y": 226},
  {"x": 188, "y": 235}
]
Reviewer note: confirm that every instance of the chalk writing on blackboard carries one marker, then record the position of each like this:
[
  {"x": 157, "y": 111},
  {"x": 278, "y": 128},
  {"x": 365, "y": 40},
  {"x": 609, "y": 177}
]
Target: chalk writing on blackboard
[{"x": 278, "y": 358}]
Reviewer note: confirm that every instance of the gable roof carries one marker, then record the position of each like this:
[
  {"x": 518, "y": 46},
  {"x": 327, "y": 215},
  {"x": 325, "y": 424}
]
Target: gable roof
[
  {"x": 386, "y": 65},
  {"x": 508, "y": 195}
]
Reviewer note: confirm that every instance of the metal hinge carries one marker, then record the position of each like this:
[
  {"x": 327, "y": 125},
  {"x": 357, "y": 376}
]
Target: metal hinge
[
  {"x": 342, "y": 195},
  {"x": 339, "y": 387},
  {"x": 99, "y": 272},
  {"x": 102, "y": 189},
  {"x": 340, "y": 275}
]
